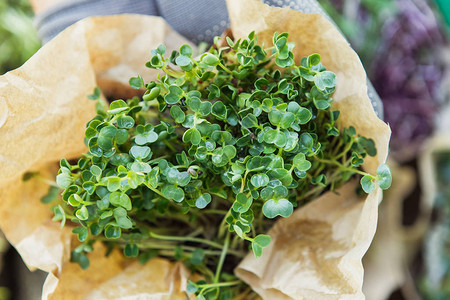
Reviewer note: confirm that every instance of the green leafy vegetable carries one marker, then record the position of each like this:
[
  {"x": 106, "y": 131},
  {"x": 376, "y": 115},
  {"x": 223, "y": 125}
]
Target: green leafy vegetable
[{"x": 215, "y": 150}]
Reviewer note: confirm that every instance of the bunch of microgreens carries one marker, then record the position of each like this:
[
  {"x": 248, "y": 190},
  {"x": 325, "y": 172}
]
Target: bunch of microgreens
[{"x": 216, "y": 149}]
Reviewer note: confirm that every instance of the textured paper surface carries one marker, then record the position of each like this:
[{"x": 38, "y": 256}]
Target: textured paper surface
[
  {"x": 316, "y": 253},
  {"x": 115, "y": 277},
  {"x": 43, "y": 110}
]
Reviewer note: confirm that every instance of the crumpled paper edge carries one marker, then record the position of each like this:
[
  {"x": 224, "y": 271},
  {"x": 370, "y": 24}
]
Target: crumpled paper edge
[{"x": 327, "y": 237}]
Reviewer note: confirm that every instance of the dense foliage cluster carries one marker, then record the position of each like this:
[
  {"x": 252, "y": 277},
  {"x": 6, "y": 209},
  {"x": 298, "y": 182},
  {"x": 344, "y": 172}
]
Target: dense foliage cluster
[{"x": 217, "y": 148}]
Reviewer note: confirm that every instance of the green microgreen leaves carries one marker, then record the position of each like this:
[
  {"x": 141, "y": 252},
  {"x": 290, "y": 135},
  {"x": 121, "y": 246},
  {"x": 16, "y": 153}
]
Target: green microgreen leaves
[
  {"x": 106, "y": 137},
  {"x": 192, "y": 136},
  {"x": 113, "y": 183},
  {"x": 203, "y": 200},
  {"x": 324, "y": 80},
  {"x": 368, "y": 184},
  {"x": 175, "y": 94},
  {"x": 117, "y": 106},
  {"x": 140, "y": 152},
  {"x": 120, "y": 199},
  {"x": 131, "y": 250},
  {"x": 145, "y": 135},
  {"x": 219, "y": 110},
  {"x": 113, "y": 232},
  {"x": 173, "y": 193},
  {"x": 95, "y": 95},
  {"x": 177, "y": 114},
  {"x": 125, "y": 122},
  {"x": 249, "y": 121},
  {"x": 277, "y": 207},
  {"x": 178, "y": 178},
  {"x": 151, "y": 94},
  {"x": 82, "y": 213},
  {"x": 64, "y": 180},
  {"x": 242, "y": 203},
  {"x": 122, "y": 220},
  {"x": 136, "y": 82},
  {"x": 210, "y": 59},
  {"x": 284, "y": 56},
  {"x": 260, "y": 180},
  {"x": 220, "y": 144},
  {"x": 383, "y": 178},
  {"x": 260, "y": 242}
]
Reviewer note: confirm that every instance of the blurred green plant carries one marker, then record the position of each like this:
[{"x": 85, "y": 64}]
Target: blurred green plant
[
  {"x": 444, "y": 7},
  {"x": 18, "y": 42},
  {"x": 18, "y": 38},
  {"x": 435, "y": 283},
  {"x": 361, "y": 22},
  {"x": 5, "y": 294}
]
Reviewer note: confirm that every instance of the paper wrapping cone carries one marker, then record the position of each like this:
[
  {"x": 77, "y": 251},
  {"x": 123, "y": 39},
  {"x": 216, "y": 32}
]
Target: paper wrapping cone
[
  {"x": 115, "y": 277},
  {"x": 43, "y": 111},
  {"x": 316, "y": 253}
]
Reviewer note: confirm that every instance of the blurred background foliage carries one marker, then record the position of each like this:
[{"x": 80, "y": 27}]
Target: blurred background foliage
[
  {"x": 403, "y": 45},
  {"x": 18, "y": 42},
  {"x": 434, "y": 278},
  {"x": 18, "y": 37}
]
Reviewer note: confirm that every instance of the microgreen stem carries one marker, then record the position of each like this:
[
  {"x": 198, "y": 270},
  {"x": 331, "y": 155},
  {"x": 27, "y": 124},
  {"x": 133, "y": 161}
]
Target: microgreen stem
[
  {"x": 223, "y": 225},
  {"x": 355, "y": 171},
  {"x": 185, "y": 248},
  {"x": 222, "y": 284},
  {"x": 328, "y": 161},
  {"x": 172, "y": 73},
  {"x": 341, "y": 166},
  {"x": 170, "y": 146},
  {"x": 222, "y": 257},
  {"x": 345, "y": 151},
  {"x": 214, "y": 211},
  {"x": 171, "y": 253},
  {"x": 280, "y": 152},
  {"x": 205, "y": 270},
  {"x": 243, "y": 181},
  {"x": 157, "y": 192},
  {"x": 157, "y": 159},
  {"x": 47, "y": 181},
  {"x": 186, "y": 239},
  {"x": 225, "y": 68},
  {"x": 195, "y": 232}
]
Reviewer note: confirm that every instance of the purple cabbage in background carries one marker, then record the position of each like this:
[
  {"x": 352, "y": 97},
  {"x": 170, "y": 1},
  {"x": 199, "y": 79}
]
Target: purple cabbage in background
[
  {"x": 400, "y": 50},
  {"x": 407, "y": 72}
]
